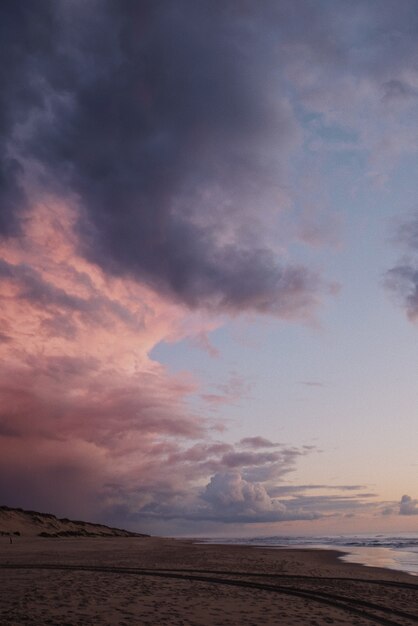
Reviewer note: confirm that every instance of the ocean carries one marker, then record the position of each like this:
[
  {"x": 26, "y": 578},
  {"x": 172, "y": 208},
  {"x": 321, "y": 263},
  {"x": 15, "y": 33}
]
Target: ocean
[{"x": 398, "y": 552}]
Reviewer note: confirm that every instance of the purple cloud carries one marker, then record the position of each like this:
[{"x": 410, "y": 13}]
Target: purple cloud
[
  {"x": 197, "y": 113},
  {"x": 408, "y": 506},
  {"x": 257, "y": 442},
  {"x": 402, "y": 280}
]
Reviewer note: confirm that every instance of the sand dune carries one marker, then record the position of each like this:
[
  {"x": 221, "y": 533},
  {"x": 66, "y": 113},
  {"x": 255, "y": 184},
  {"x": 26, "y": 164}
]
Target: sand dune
[{"x": 32, "y": 523}]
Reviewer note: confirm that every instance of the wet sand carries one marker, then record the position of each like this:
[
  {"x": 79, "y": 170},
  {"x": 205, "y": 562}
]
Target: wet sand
[{"x": 150, "y": 581}]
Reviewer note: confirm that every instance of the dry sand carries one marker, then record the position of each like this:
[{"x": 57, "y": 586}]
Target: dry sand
[{"x": 150, "y": 581}]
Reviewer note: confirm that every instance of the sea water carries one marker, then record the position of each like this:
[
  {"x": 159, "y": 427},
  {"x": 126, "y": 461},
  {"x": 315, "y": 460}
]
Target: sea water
[{"x": 398, "y": 552}]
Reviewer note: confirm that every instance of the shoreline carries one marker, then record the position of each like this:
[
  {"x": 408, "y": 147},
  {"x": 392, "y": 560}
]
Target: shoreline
[
  {"x": 397, "y": 559},
  {"x": 173, "y": 582}
]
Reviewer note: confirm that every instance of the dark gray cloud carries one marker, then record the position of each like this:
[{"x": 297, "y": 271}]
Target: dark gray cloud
[
  {"x": 166, "y": 122},
  {"x": 396, "y": 89},
  {"x": 284, "y": 490},
  {"x": 408, "y": 506},
  {"x": 257, "y": 442},
  {"x": 25, "y": 42},
  {"x": 333, "y": 505},
  {"x": 402, "y": 279},
  {"x": 171, "y": 124}
]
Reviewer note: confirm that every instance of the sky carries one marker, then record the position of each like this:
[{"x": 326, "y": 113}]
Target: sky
[{"x": 209, "y": 264}]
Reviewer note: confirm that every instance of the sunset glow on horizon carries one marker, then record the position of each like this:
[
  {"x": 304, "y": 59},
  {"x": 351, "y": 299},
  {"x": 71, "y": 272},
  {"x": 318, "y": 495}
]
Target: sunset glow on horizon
[{"x": 209, "y": 264}]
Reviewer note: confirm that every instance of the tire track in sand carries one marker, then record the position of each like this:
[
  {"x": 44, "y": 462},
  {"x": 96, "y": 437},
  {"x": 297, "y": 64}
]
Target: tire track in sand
[{"x": 371, "y": 611}]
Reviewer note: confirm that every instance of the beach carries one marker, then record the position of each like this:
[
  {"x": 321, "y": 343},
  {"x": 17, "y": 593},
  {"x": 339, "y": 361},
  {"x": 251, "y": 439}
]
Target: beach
[{"x": 152, "y": 581}]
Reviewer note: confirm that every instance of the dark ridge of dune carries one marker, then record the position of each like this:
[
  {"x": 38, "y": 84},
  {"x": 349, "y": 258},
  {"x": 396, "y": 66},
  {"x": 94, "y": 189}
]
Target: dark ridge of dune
[{"x": 17, "y": 521}]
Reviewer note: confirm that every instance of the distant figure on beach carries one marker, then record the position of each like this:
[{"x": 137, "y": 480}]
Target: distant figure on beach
[{"x": 11, "y": 540}]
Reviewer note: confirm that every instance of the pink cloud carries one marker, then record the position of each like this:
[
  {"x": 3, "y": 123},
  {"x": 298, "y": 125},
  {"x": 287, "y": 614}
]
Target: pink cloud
[
  {"x": 75, "y": 374},
  {"x": 89, "y": 423}
]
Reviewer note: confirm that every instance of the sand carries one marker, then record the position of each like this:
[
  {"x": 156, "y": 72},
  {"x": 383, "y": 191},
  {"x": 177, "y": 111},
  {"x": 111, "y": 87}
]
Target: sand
[{"x": 149, "y": 581}]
